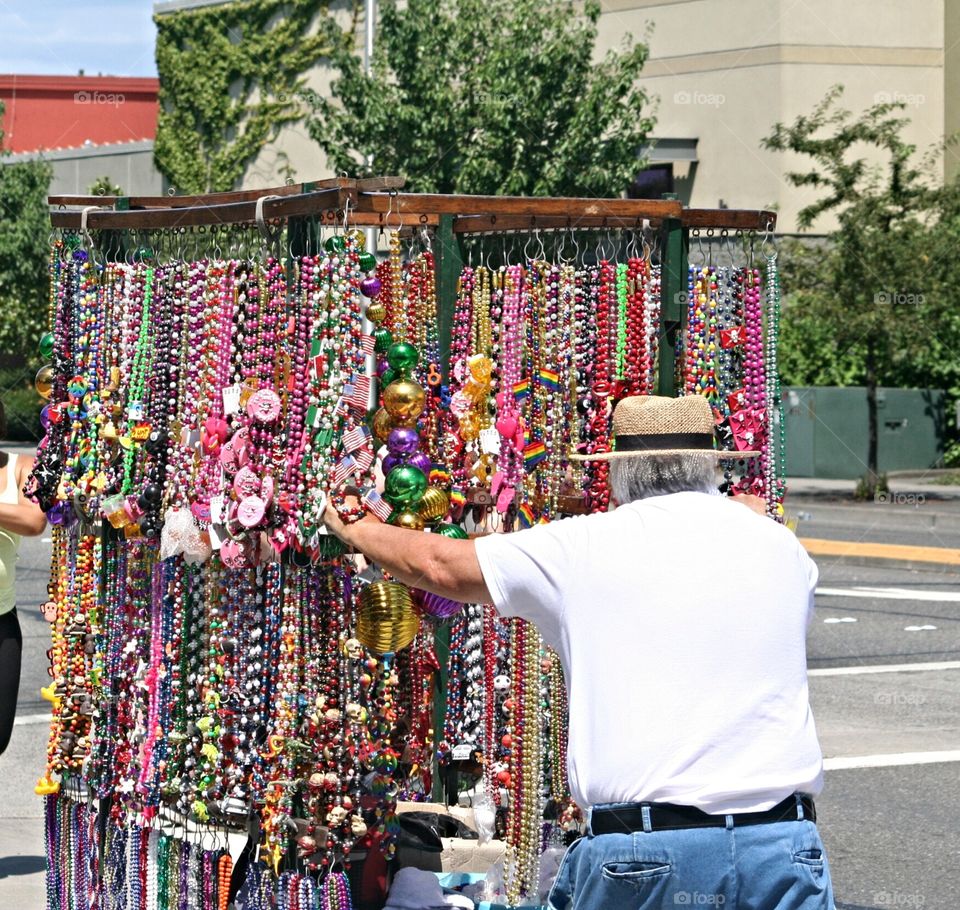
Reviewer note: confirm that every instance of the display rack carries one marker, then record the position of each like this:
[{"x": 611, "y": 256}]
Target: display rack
[{"x": 379, "y": 202}]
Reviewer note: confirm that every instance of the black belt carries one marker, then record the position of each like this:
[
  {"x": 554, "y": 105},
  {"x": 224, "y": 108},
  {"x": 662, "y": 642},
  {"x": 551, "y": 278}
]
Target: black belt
[{"x": 664, "y": 816}]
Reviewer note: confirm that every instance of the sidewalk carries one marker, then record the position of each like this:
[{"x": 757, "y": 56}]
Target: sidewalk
[
  {"x": 22, "y": 858},
  {"x": 917, "y": 483}
]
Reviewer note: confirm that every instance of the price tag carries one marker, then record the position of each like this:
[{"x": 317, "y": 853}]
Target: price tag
[
  {"x": 463, "y": 752},
  {"x": 216, "y": 509},
  {"x": 231, "y": 399},
  {"x": 490, "y": 441}
]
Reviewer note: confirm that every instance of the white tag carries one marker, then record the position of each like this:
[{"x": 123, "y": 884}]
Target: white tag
[
  {"x": 463, "y": 752},
  {"x": 193, "y": 439},
  {"x": 217, "y": 533},
  {"x": 490, "y": 441},
  {"x": 216, "y": 510},
  {"x": 231, "y": 400}
]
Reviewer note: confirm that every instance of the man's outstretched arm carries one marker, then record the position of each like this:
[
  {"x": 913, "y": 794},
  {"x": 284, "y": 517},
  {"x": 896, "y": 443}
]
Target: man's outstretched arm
[{"x": 430, "y": 561}]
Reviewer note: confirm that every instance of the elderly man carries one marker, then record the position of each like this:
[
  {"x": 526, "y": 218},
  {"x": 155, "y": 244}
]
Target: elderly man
[{"x": 680, "y": 618}]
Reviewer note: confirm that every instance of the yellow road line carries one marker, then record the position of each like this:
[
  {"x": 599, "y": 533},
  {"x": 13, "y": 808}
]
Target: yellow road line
[{"x": 816, "y": 546}]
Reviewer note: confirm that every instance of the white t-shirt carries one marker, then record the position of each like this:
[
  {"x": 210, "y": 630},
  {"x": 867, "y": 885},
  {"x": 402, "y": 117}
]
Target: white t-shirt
[{"x": 681, "y": 624}]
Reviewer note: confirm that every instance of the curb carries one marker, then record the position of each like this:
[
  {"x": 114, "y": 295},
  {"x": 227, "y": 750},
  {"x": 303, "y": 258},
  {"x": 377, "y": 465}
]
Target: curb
[{"x": 890, "y": 556}]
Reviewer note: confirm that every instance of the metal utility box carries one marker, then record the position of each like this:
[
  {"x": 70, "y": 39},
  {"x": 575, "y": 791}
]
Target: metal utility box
[{"x": 827, "y": 430}]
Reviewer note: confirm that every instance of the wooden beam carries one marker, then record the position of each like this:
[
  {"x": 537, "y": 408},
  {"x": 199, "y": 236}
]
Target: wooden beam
[
  {"x": 208, "y": 215},
  {"x": 367, "y": 184},
  {"x": 484, "y": 224},
  {"x": 731, "y": 219},
  {"x": 405, "y": 205}
]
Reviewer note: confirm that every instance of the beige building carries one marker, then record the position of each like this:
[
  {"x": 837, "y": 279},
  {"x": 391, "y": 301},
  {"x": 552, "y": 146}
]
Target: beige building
[{"x": 724, "y": 71}]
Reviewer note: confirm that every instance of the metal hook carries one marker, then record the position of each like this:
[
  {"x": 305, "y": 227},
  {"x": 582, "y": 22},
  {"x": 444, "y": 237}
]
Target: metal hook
[
  {"x": 703, "y": 255},
  {"x": 269, "y": 237},
  {"x": 769, "y": 240}
]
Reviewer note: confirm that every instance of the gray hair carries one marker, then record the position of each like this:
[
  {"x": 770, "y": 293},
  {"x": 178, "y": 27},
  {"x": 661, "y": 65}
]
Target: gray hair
[{"x": 657, "y": 475}]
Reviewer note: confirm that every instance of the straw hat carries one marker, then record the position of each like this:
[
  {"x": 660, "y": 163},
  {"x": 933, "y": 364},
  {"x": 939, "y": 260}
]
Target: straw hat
[{"x": 656, "y": 425}]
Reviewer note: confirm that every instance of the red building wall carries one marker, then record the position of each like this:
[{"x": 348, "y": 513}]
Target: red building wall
[{"x": 48, "y": 112}]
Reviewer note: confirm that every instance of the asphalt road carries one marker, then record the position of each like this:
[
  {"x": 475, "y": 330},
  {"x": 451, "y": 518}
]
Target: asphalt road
[{"x": 891, "y": 832}]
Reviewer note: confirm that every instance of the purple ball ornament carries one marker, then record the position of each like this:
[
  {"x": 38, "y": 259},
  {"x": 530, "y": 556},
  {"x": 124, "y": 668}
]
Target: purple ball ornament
[
  {"x": 430, "y": 604},
  {"x": 45, "y": 417},
  {"x": 390, "y": 462},
  {"x": 371, "y": 286},
  {"x": 420, "y": 460},
  {"x": 403, "y": 441}
]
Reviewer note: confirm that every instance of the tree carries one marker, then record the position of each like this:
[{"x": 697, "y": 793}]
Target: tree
[
  {"x": 876, "y": 302},
  {"x": 104, "y": 186},
  {"x": 24, "y": 236},
  {"x": 231, "y": 75},
  {"x": 489, "y": 96}
]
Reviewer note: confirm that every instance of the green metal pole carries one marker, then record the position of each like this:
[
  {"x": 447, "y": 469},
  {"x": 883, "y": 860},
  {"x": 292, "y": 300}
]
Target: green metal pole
[
  {"x": 449, "y": 263},
  {"x": 674, "y": 245}
]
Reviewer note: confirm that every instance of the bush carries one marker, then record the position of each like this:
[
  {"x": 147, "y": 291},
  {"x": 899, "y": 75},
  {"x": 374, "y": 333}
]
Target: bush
[{"x": 22, "y": 405}]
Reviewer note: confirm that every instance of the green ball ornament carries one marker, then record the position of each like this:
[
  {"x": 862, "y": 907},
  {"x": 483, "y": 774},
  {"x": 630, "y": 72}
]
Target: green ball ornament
[
  {"x": 46, "y": 346},
  {"x": 455, "y": 532},
  {"x": 382, "y": 340},
  {"x": 404, "y": 486},
  {"x": 368, "y": 262},
  {"x": 387, "y": 378},
  {"x": 403, "y": 356},
  {"x": 335, "y": 244}
]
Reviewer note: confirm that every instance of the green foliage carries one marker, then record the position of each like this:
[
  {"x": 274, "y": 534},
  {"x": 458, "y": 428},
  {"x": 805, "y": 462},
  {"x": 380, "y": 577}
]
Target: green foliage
[
  {"x": 489, "y": 96},
  {"x": 231, "y": 76},
  {"x": 104, "y": 186},
  {"x": 24, "y": 231},
  {"x": 21, "y": 404},
  {"x": 874, "y": 306}
]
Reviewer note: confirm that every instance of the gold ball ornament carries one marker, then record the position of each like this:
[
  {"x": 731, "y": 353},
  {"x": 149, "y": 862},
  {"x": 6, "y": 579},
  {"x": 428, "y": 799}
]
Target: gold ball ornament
[
  {"x": 411, "y": 521},
  {"x": 44, "y": 381},
  {"x": 434, "y": 504},
  {"x": 404, "y": 399},
  {"x": 383, "y": 423},
  {"x": 376, "y": 313},
  {"x": 386, "y": 621}
]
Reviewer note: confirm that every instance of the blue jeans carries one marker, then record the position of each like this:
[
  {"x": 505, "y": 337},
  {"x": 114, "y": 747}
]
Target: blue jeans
[{"x": 778, "y": 866}]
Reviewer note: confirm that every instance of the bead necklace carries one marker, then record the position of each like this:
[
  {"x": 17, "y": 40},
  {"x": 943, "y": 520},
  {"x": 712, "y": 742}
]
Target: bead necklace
[{"x": 775, "y": 467}]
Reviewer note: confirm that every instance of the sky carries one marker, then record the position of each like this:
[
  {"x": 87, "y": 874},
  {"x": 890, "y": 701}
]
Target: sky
[{"x": 59, "y": 37}]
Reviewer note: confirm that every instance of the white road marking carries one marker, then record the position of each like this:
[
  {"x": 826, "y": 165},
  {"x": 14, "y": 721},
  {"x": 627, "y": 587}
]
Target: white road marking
[
  {"x": 892, "y": 594},
  {"x": 885, "y": 668},
  {"x": 889, "y": 761},
  {"x": 833, "y": 619},
  {"x": 918, "y": 628},
  {"x": 24, "y": 719}
]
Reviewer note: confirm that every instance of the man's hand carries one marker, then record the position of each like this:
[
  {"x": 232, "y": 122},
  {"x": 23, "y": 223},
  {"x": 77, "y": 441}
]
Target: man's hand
[
  {"x": 431, "y": 561},
  {"x": 335, "y": 524},
  {"x": 750, "y": 501}
]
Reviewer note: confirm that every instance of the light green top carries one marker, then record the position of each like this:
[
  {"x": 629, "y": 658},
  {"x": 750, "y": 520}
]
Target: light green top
[{"x": 9, "y": 544}]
